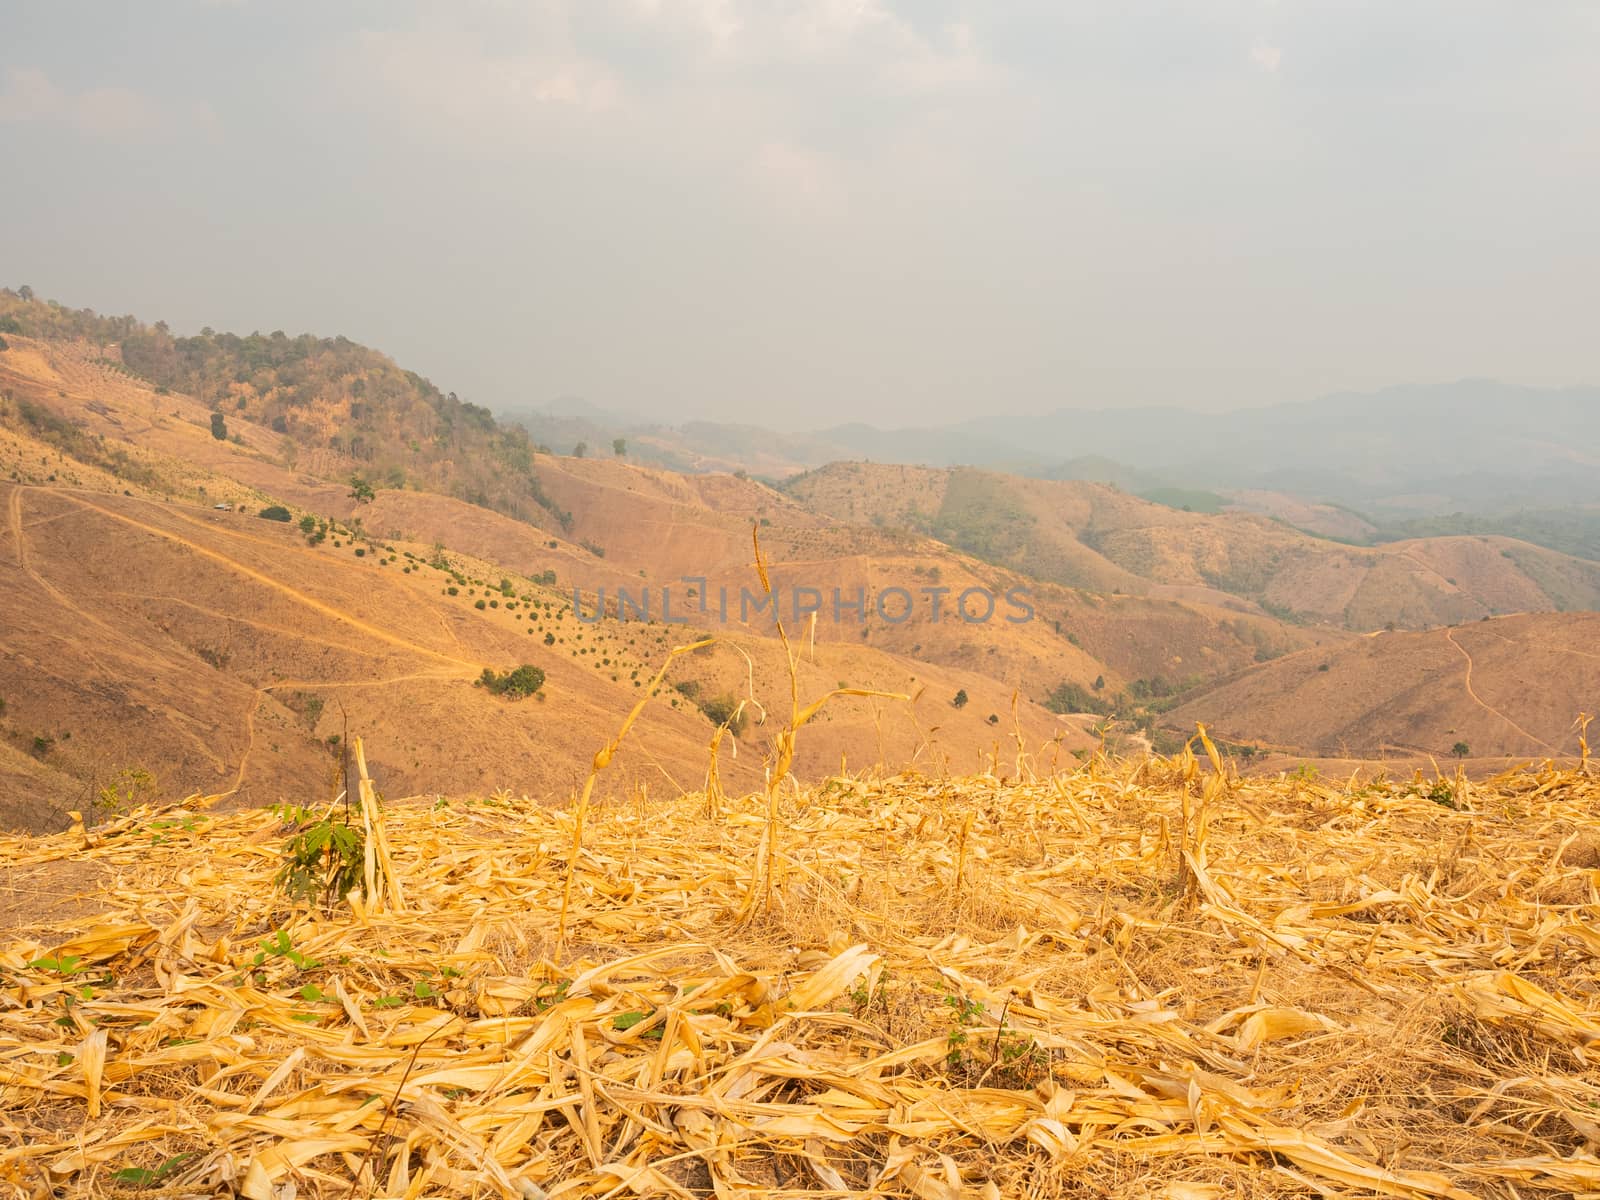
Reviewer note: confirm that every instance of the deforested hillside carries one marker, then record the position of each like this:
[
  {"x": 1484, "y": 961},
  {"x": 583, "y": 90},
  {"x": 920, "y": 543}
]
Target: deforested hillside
[
  {"x": 1095, "y": 536},
  {"x": 224, "y": 652},
  {"x": 693, "y": 531},
  {"x": 327, "y": 406},
  {"x": 72, "y": 419},
  {"x": 971, "y": 592},
  {"x": 1512, "y": 687}
]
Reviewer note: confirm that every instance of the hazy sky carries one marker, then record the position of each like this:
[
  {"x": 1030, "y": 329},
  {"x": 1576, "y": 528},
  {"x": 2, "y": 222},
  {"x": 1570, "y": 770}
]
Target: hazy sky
[{"x": 801, "y": 213}]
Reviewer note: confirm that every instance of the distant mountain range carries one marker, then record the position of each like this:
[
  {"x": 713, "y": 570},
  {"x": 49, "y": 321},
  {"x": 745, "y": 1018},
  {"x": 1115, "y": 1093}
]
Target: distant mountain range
[
  {"x": 1475, "y": 452},
  {"x": 215, "y": 550}
]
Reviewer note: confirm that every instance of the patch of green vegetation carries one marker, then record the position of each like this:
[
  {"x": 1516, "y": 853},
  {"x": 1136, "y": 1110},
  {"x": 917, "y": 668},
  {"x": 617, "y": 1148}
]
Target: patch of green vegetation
[
  {"x": 726, "y": 710},
  {"x": 1069, "y": 697},
  {"x": 149, "y": 1177},
  {"x": 1187, "y": 499},
  {"x": 979, "y": 515},
  {"x": 1574, "y": 531},
  {"x": 132, "y": 787},
  {"x": 523, "y": 681}
]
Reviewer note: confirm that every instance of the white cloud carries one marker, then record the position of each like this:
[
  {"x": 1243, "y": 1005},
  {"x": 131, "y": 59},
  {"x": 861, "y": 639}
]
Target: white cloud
[
  {"x": 799, "y": 181},
  {"x": 717, "y": 21},
  {"x": 454, "y": 75},
  {"x": 31, "y": 95},
  {"x": 863, "y": 36},
  {"x": 1265, "y": 55}
]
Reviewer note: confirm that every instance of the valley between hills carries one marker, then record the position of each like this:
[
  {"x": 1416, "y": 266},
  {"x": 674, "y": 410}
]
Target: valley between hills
[{"x": 223, "y": 557}]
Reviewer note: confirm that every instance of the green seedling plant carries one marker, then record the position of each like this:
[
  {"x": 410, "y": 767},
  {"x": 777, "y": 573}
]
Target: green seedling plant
[
  {"x": 280, "y": 946},
  {"x": 1010, "y": 1060},
  {"x": 161, "y": 831},
  {"x": 60, "y": 964},
  {"x": 541, "y": 1001},
  {"x": 324, "y": 858},
  {"x": 627, "y": 1020},
  {"x": 864, "y": 997},
  {"x": 132, "y": 787},
  {"x": 423, "y": 989},
  {"x": 967, "y": 1012},
  {"x": 149, "y": 1177}
]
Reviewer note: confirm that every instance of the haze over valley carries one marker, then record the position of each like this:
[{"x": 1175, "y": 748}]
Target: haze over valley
[
  {"x": 413, "y": 541},
  {"x": 703, "y": 599}
]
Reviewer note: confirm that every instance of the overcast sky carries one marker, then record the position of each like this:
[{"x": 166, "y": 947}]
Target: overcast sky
[{"x": 801, "y": 213}]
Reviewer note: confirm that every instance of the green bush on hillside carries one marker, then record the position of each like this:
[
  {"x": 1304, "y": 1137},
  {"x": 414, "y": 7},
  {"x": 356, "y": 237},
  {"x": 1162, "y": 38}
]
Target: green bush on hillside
[
  {"x": 524, "y": 681},
  {"x": 725, "y": 710},
  {"x": 1069, "y": 697}
]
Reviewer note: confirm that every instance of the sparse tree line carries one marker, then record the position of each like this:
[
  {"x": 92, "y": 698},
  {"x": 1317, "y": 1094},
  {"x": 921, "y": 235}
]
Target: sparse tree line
[{"x": 398, "y": 422}]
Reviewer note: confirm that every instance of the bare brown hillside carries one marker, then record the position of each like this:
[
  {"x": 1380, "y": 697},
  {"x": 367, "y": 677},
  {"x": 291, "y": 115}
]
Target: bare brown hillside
[
  {"x": 642, "y": 530},
  {"x": 212, "y": 647},
  {"x": 638, "y": 528},
  {"x": 214, "y": 650},
  {"x": 1506, "y": 687},
  {"x": 663, "y": 528},
  {"x": 1093, "y": 536}
]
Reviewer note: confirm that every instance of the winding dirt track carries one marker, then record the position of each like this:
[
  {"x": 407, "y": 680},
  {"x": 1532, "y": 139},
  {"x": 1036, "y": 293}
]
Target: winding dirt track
[
  {"x": 44, "y": 584},
  {"x": 311, "y": 602},
  {"x": 1487, "y": 707},
  {"x": 453, "y": 667}
]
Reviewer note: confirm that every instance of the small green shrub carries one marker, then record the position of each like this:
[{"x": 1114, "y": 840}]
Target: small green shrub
[
  {"x": 323, "y": 859},
  {"x": 725, "y": 710},
  {"x": 523, "y": 681},
  {"x": 277, "y": 512}
]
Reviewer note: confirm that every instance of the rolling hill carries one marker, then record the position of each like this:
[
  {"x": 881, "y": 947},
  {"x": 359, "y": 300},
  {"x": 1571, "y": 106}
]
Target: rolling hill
[
  {"x": 1097, "y": 537},
  {"x": 162, "y": 626},
  {"x": 328, "y": 406},
  {"x": 1507, "y": 687},
  {"x": 220, "y": 652},
  {"x": 634, "y": 527}
]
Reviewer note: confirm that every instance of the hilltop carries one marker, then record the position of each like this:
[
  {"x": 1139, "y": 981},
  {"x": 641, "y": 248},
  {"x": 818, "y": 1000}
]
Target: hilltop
[{"x": 327, "y": 407}]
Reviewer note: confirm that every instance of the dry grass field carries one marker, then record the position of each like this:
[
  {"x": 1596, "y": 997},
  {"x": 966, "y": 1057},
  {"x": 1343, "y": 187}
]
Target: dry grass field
[{"x": 1146, "y": 979}]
